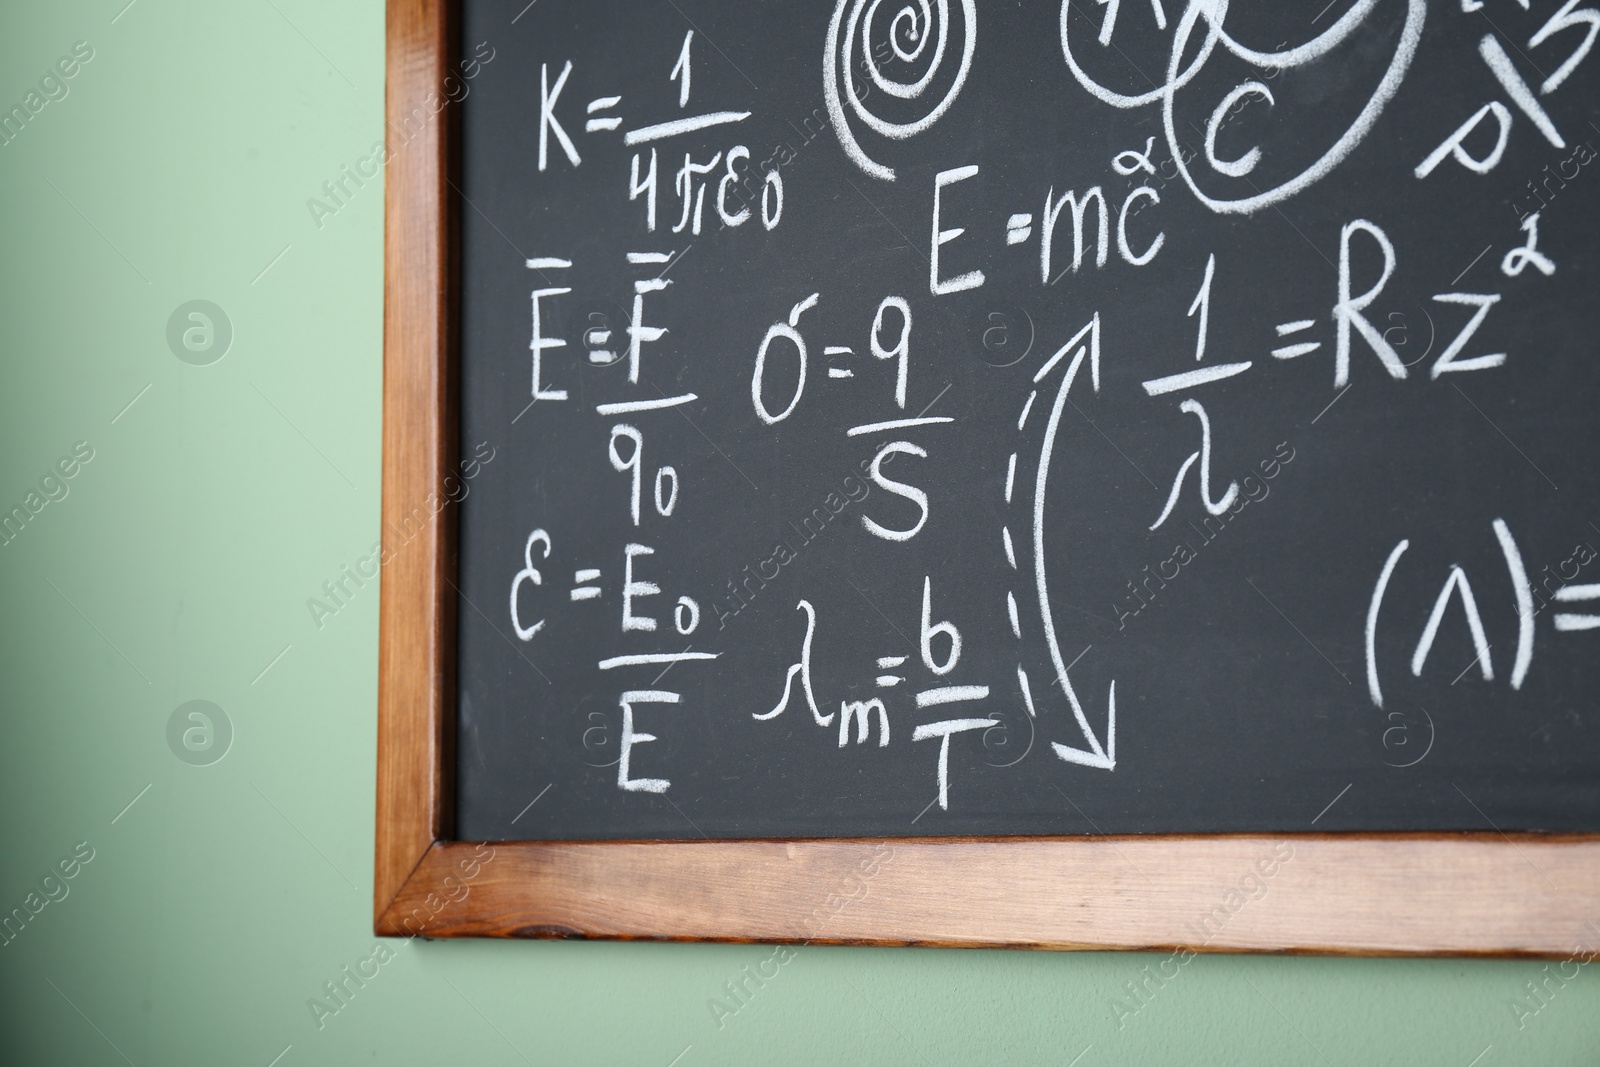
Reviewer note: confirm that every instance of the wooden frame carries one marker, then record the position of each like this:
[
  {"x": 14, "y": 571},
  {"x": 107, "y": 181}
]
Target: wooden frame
[{"x": 1423, "y": 894}]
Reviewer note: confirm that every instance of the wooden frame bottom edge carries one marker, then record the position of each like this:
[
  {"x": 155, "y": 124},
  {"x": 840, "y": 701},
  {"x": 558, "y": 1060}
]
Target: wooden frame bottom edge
[{"x": 1333, "y": 894}]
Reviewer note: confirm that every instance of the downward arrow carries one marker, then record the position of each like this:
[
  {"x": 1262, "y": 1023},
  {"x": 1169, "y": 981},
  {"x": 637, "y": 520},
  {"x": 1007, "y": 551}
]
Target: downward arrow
[
  {"x": 1097, "y": 756},
  {"x": 1104, "y": 760}
]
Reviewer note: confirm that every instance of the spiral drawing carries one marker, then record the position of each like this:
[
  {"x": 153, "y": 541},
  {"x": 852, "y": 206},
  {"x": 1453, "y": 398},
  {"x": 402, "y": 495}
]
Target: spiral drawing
[{"x": 908, "y": 53}]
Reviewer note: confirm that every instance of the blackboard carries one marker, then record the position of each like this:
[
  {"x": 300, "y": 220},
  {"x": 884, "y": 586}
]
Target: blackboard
[{"x": 1285, "y": 451}]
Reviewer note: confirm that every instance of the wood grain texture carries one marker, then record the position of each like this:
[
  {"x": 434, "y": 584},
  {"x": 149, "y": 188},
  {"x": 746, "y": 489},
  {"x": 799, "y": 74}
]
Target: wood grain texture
[
  {"x": 416, "y": 638},
  {"x": 1399, "y": 894},
  {"x": 1396, "y": 894}
]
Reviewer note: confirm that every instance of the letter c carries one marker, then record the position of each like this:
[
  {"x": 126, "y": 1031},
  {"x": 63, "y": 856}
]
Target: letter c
[
  {"x": 1122, "y": 229},
  {"x": 1234, "y": 168}
]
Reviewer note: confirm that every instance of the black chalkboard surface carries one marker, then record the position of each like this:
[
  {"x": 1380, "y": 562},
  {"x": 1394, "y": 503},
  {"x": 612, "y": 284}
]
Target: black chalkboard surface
[{"x": 947, "y": 418}]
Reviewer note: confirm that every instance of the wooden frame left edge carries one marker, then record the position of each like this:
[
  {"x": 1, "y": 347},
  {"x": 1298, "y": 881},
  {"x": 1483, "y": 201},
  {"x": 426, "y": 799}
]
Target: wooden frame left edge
[
  {"x": 1359, "y": 894},
  {"x": 416, "y": 637}
]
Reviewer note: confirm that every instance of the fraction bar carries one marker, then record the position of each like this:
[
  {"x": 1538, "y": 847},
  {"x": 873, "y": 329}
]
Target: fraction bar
[
  {"x": 677, "y": 126},
  {"x": 625, "y": 406},
  {"x": 654, "y": 657},
  {"x": 1189, "y": 379},
  {"x": 895, "y": 424}
]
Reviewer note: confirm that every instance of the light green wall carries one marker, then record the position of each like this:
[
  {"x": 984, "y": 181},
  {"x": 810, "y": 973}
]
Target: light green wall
[{"x": 179, "y": 565}]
